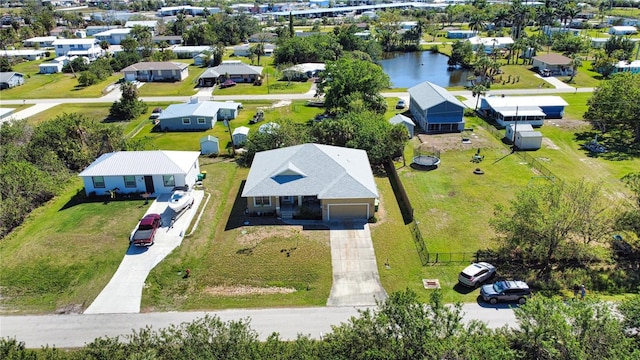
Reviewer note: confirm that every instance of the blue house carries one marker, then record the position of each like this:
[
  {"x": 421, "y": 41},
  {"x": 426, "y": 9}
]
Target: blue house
[
  {"x": 196, "y": 115},
  {"x": 11, "y": 79},
  {"x": 531, "y": 110},
  {"x": 435, "y": 109}
]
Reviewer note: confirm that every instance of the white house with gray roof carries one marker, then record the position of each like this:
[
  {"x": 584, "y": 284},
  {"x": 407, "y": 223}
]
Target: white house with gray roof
[
  {"x": 113, "y": 36},
  {"x": 435, "y": 109},
  {"x": 153, "y": 172},
  {"x": 89, "y": 48},
  {"x": 235, "y": 70},
  {"x": 156, "y": 71},
  {"x": 312, "y": 181},
  {"x": 197, "y": 115}
]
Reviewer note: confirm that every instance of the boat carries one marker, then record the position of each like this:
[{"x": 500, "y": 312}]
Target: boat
[{"x": 180, "y": 199}]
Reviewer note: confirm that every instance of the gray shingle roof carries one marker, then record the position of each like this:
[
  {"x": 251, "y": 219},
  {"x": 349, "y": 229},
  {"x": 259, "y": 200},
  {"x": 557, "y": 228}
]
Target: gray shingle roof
[
  {"x": 158, "y": 162},
  {"x": 231, "y": 68},
  {"x": 329, "y": 172},
  {"x": 428, "y": 95}
]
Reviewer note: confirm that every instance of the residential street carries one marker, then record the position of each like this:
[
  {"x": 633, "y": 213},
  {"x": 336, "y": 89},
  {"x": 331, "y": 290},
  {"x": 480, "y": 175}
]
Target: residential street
[{"x": 76, "y": 330}]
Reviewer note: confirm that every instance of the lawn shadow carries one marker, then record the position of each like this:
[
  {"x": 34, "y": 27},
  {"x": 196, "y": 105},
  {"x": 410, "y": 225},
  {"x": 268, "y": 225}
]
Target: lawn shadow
[
  {"x": 81, "y": 198},
  {"x": 619, "y": 145},
  {"x": 238, "y": 216}
]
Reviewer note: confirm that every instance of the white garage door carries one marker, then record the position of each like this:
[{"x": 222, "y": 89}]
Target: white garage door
[{"x": 348, "y": 211}]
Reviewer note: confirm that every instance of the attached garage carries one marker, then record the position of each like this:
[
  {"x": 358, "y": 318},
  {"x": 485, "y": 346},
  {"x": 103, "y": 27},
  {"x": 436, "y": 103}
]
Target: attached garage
[{"x": 349, "y": 211}]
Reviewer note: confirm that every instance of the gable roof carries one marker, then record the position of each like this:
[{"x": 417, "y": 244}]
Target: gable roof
[
  {"x": 6, "y": 76},
  {"x": 240, "y": 130},
  {"x": 553, "y": 59},
  {"x": 231, "y": 68},
  {"x": 427, "y": 95},
  {"x": 401, "y": 119},
  {"x": 156, "y": 65},
  {"x": 208, "y": 138},
  {"x": 157, "y": 162},
  {"x": 202, "y": 108},
  {"x": 334, "y": 173}
]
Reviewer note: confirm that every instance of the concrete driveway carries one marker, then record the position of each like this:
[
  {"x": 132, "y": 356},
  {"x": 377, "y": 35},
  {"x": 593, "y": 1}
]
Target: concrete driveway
[
  {"x": 356, "y": 281},
  {"x": 123, "y": 293}
]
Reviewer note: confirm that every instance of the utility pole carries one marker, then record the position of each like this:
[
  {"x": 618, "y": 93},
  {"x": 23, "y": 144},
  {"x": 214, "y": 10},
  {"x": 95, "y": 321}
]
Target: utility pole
[
  {"x": 515, "y": 131},
  {"x": 233, "y": 146}
]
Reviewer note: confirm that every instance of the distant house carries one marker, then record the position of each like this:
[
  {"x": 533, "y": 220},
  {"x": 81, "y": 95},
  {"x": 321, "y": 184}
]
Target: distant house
[
  {"x": 531, "y": 110},
  {"x": 407, "y": 122},
  {"x": 337, "y": 184},
  {"x": 209, "y": 145},
  {"x": 623, "y": 30},
  {"x": 240, "y": 135},
  {"x": 200, "y": 59},
  {"x": 598, "y": 43},
  {"x": 303, "y": 71},
  {"x": 549, "y": 30},
  {"x": 488, "y": 44},
  {"x": 169, "y": 39},
  {"x": 558, "y": 64},
  {"x": 40, "y": 41},
  {"x": 435, "y": 109},
  {"x": 267, "y": 37},
  {"x": 188, "y": 52},
  {"x": 89, "y": 48},
  {"x": 95, "y": 29},
  {"x": 245, "y": 49},
  {"x": 28, "y": 54},
  {"x": 156, "y": 71},
  {"x": 153, "y": 172},
  {"x": 10, "y": 80},
  {"x": 51, "y": 67},
  {"x": 186, "y": 9},
  {"x": 461, "y": 34},
  {"x": 150, "y": 24},
  {"x": 235, "y": 70},
  {"x": 632, "y": 67},
  {"x": 113, "y": 36},
  {"x": 197, "y": 115}
]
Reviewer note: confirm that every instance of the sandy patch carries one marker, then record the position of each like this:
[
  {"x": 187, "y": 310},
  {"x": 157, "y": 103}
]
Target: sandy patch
[
  {"x": 548, "y": 143},
  {"x": 452, "y": 142},
  {"x": 253, "y": 235},
  {"x": 281, "y": 103},
  {"x": 243, "y": 290},
  {"x": 568, "y": 124}
]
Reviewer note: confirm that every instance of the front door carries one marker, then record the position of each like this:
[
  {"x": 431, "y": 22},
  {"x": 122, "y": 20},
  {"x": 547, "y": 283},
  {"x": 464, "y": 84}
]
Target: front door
[{"x": 148, "y": 183}]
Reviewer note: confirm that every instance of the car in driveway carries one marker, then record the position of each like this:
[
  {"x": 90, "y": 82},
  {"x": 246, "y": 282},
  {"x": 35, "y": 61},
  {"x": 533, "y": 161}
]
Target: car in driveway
[
  {"x": 400, "y": 104},
  {"x": 476, "y": 273},
  {"x": 145, "y": 233},
  {"x": 506, "y": 290}
]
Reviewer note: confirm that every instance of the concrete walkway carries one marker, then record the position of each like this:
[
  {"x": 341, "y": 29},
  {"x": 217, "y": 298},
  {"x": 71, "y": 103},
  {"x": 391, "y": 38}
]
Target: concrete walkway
[
  {"x": 557, "y": 83},
  {"x": 123, "y": 293},
  {"x": 356, "y": 281},
  {"x": 30, "y": 111}
]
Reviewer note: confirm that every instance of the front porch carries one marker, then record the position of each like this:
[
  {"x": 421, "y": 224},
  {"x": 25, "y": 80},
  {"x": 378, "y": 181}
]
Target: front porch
[{"x": 299, "y": 207}]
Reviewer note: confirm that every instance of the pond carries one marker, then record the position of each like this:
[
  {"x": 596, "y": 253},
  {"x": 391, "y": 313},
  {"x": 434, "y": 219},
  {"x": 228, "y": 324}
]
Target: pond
[{"x": 408, "y": 69}]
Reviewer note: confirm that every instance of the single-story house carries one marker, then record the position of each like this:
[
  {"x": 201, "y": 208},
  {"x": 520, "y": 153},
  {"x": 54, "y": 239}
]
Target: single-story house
[
  {"x": 113, "y": 36},
  {"x": 41, "y": 41},
  {"x": 303, "y": 71},
  {"x": 240, "y": 135},
  {"x": 461, "y": 34},
  {"x": 197, "y": 115},
  {"x": 209, "y": 145},
  {"x": 156, "y": 71},
  {"x": 632, "y": 67},
  {"x": 488, "y": 44},
  {"x": 268, "y": 37},
  {"x": 51, "y": 67},
  {"x": 169, "y": 39},
  {"x": 549, "y": 30},
  {"x": 95, "y": 29},
  {"x": 245, "y": 49},
  {"x": 435, "y": 109},
  {"x": 187, "y": 9},
  {"x": 153, "y": 172},
  {"x": 558, "y": 64},
  {"x": 151, "y": 24},
  {"x": 531, "y": 110},
  {"x": 598, "y": 43},
  {"x": 188, "y": 52},
  {"x": 235, "y": 70},
  {"x": 623, "y": 30},
  {"x": 10, "y": 80},
  {"x": 407, "y": 122},
  {"x": 337, "y": 184},
  {"x": 200, "y": 59},
  {"x": 28, "y": 54}
]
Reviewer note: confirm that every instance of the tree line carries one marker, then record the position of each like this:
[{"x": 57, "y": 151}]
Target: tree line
[{"x": 400, "y": 328}]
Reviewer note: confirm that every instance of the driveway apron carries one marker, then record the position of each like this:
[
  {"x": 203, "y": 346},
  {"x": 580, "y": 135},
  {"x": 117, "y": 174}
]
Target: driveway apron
[
  {"x": 356, "y": 281},
  {"x": 123, "y": 293}
]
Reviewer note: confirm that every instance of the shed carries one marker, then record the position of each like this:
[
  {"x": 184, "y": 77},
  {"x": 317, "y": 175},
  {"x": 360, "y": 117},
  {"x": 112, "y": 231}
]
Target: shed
[
  {"x": 200, "y": 59},
  {"x": 512, "y": 128},
  {"x": 528, "y": 140},
  {"x": 50, "y": 68},
  {"x": 209, "y": 145},
  {"x": 407, "y": 122},
  {"x": 240, "y": 135}
]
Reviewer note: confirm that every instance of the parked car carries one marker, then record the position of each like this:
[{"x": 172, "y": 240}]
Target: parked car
[
  {"x": 227, "y": 83},
  {"x": 400, "y": 104},
  {"x": 476, "y": 273},
  {"x": 145, "y": 232},
  {"x": 507, "y": 290}
]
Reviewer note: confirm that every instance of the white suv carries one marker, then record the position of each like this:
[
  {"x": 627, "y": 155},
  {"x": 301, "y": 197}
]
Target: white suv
[{"x": 476, "y": 273}]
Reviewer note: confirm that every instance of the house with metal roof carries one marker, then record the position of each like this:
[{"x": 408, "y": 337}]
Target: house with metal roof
[
  {"x": 89, "y": 48},
  {"x": 10, "y": 79},
  {"x": 245, "y": 49},
  {"x": 303, "y": 71},
  {"x": 151, "y": 24},
  {"x": 153, "y": 172},
  {"x": 623, "y": 30},
  {"x": 489, "y": 44},
  {"x": 407, "y": 122},
  {"x": 156, "y": 71},
  {"x": 435, "y": 109},
  {"x": 197, "y": 115},
  {"x": 531, "y": 110},
  {"x": 41, "y": 41},
  {"x": 235, "y": 70},
  {"x": 26, "y": 54},
  {"x": 113, "y": 36},
  {"x": 337, "y": 184}
]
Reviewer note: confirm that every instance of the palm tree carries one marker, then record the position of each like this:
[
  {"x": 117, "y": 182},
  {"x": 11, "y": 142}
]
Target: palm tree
[
  {"x": 478, "y": 90},
  {"x": 501, "y": 16},
  {"x": 576, "y": 62},
  {"x": 476, "y": 22}
]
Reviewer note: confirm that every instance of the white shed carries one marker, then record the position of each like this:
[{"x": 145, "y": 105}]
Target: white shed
[
  {"x": 209, "y": 145},
  {"x": 528, "y": 140},
  {"x": 511, "y": 130},
  {"x": 239, "y": 135},
  {"x": 407, "y": 122}
]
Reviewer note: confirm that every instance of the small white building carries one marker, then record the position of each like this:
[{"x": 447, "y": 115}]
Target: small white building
[
  {"x": 407, "y": 122},
  {"x": 209, "y": 145},
  {"x": 510, "y": 130},
  {"x": 623, "y": 30},
  {"x": 528, "y": 140},
  {"x": 488, "y": 44},
  {"x": 41, "y": 41},
  {"x": 240, "y": 135},
  {"x": 51, "y": 67}
]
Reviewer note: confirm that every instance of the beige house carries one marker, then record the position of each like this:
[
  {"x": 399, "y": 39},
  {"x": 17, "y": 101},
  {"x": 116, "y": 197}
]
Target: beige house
[{"x": 311, "y": 181}]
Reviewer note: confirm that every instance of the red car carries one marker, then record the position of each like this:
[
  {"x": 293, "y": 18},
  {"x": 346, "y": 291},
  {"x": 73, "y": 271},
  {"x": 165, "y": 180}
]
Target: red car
[
  {"x": 228, "y": 83},
  {"x": 145, "y": 232}
]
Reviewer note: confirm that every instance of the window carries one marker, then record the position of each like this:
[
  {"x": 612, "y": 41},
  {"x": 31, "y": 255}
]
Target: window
[
  {"x": 262, "y": 201},
  {"x": 201, "y": 121},
  {"x": 169, "y": 180},
  {"x": 130, "y": 181},
  {"x": 98, "y": 182},
  {"x": 186, "y": 121}
]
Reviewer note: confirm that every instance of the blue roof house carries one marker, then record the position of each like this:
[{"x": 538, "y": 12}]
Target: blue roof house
[
  {"x": 196, "y": 115},
  {"x": 435, "y": 110}
]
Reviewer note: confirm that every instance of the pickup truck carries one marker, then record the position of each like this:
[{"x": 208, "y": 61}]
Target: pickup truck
[{"x": 145, "y": 232}]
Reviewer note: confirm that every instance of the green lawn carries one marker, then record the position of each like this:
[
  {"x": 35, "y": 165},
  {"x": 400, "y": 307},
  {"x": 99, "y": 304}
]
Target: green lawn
[{"x": 186, "y": 87}]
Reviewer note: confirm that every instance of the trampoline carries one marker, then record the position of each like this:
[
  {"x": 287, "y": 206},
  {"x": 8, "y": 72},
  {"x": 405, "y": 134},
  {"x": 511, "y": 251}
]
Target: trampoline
[{"x": 425, "y": 162}]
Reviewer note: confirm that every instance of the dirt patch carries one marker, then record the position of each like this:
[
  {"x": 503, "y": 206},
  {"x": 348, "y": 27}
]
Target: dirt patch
[
  {"x": 246, "y": 290},
  {"x": 452, "y": 142},
  {"x": 573, "y": 125},
  {"x": 253, "y": 235},
  {"x": 549, "y": 144},
  {"x": 70, "y": 309}
]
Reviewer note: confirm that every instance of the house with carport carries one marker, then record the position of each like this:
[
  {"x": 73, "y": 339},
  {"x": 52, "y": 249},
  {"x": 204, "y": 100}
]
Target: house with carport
[
  {"x": 235, "y": 70},
  {"x": 196, "y": 115},
  {"x": 153, "y": 172},
  {"x": 435, "y": 109},
  {"x": 556, "y": 63},
  {"x": 311, "y": 180},
  {"x": 531, "y": 110},
  {"x": 156, "y": 71}
]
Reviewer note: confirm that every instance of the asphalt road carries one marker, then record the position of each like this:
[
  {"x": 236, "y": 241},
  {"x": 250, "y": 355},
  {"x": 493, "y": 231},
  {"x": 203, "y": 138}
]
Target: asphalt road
[{"x": 69, "y": 331}]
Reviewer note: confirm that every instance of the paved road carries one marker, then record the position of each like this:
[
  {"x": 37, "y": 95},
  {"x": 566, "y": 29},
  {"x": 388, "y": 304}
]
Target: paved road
[{"x": 66, "y": 331}]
